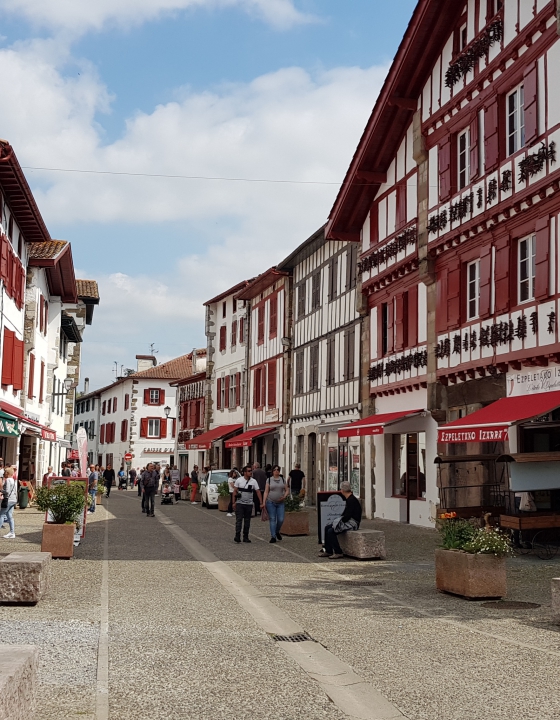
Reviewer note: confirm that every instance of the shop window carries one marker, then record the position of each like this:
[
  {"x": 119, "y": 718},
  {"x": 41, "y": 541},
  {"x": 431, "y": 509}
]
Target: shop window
[
  {"x": 333, "y": 468},
  {"x": 409, "y": 465},
  {"x": 473, "y": 289},
  {"x": 526, "y": 269},
  {"x": 463, "y": 158},
  {"x": 543, "y": 438},
  {"x": 515, "y": 117}
]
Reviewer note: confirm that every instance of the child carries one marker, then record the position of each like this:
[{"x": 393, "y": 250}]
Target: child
[
  {"x": 166, "y": 489},
  {"x": 177, "y": 489}
]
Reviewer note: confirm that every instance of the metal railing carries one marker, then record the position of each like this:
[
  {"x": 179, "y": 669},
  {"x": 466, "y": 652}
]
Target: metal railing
[{"x": 475, "y": 496}]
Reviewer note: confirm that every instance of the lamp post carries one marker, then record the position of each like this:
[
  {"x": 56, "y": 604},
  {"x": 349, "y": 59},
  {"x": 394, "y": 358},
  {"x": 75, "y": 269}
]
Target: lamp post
[{"x": 167, "y": 410}]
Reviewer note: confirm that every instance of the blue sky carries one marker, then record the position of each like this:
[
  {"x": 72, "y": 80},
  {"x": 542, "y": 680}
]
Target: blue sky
[{"x": 272, "y": 89}]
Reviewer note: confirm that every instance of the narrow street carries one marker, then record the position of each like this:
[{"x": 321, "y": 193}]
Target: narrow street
[{"x": 191, "y": 614}]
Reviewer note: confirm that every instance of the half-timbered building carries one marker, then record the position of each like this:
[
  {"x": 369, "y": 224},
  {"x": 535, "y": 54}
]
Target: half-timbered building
[{"x": 325, "y": 332}]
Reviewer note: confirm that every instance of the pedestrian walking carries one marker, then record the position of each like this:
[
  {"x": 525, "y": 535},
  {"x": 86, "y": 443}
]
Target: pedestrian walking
[
  {"x": 109, "y": 479},
  {"x": 132, "y": 477},
  {"x": 2, "y": 467},
  {"x": 243, "y": 490},
  {"x": 296, "y": 480},
  {"x": 122, "y": 480},
  {"x": 9, "y": 499},
  {"x": 176, "y": 486},
  {"x": 150, "y": 485},
  {"x": 275, "y": 494},
  {"x": 232, "y": 477},
  {"x": 65, "y": 472},
  {"x": 93, "y": 480},
  {"x": 260, "y": 476},
  {"x": 350, "y": 520},
  {"x": 47, "y": 475},
  {"x": 194, "y": 484}
]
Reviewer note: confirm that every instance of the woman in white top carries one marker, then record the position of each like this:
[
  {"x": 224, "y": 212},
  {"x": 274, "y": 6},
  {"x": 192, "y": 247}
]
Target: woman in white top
[{"x": 9, "y": 488}]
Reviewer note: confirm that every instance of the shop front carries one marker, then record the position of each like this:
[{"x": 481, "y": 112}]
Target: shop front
[
  {"x": 9, "y": 437},
  {"x": 258, "y": 444},
  {"x": 209, "y": 448}
]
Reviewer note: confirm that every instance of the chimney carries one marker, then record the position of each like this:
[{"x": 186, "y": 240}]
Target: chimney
[
  {"x": 145, "y": 362},
  {"x": 86, "y": 386}
]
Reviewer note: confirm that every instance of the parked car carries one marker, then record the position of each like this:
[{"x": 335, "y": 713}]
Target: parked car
[{"x": 209, "y": 486}]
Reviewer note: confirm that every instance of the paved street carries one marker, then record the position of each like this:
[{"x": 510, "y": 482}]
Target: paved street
[{"x": 189, "y": 616}]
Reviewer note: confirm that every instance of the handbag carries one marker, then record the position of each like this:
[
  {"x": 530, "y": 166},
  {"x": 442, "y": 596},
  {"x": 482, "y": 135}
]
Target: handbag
[{"x": 264, "y": 514}]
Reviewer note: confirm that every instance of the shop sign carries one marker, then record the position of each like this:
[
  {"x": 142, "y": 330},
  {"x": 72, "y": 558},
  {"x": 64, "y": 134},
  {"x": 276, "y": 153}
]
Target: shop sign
[
  {"x": 8, "y": 425},
  {"x": 158, "y": 450},
  {"x": 331, "y": 505},
  {"x": 479, "y": 434},
  {"x": 531, "y": 381},
  {"x": 50, "y": 435},
  {"x": 72, "y": 455}
]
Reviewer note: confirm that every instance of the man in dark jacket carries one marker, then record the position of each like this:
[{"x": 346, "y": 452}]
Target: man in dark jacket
[
  {"x": 150, "y": 484},
  {"x": 109, "y": 479},
  {"x": 350, "y": 520}
]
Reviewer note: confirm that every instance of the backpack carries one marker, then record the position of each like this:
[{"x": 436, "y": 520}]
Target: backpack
[{"x": 149, "y": 481}]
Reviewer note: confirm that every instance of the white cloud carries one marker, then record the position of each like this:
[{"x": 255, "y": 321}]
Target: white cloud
[{"x": 79, "y": 16}]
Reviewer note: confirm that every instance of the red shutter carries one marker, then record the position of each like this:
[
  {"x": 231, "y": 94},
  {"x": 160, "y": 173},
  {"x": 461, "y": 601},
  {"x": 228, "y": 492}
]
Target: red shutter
[
  {"x": 237, "y": 389},
  {"x": 485, "y": 281},
  {"x": 260, "y": 324},
  {"x": 273, "y": 315},
  {"x": 122, "y": 430},
  {"x": 374, "y": 224},
  {"x": 454, "y": 294},
  {"x": 146, "y": 397},
  {"x": 541, "y": 258},
  {"x": 441, "y": 305},
  {"x": 413, "y": 316},
  {"x": 272, "y": 383},
  {"x": 531, "y": 105},
  {"x": 223, "y": 339},
  {"x": 103, "y": 408},
  {"x": 126, "y": 401},
  {"x": 390, "y": 326},
  {"x": 219, "y": 391},
  {"x": 18, "y": 363},
  {"x": 399, "y": 320},
  {"x": 161, "y": 397},
  {"x": 144, "y": 427},
  {"x": 491, "y": 135},
  {"x": 200, "y": 407},
  {"x": 4, "y": 260},
  {"x": 474, "y": 169},
  {"x": 102, "y": 434},
  {"x": 502, "y": 275},
  {"x": 227, "y": 391},
  {"x": 193, "y": 409},
  {"x": 380, "y": 331},
  {"x": 401, "y": 205},
  {"x": 31, "y": 377},
  {"x": 444, "y": 162},
  {"x": 163, "y": 429},
  {"x": 174, "y": 427},
  {"x": 114, "y": 405},
  {"x": 42, "y": 382}
]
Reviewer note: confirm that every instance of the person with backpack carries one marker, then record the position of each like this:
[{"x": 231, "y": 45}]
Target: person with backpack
[
  {"x": 150, "y": 484},
  {"x": 275, "y": 494}
]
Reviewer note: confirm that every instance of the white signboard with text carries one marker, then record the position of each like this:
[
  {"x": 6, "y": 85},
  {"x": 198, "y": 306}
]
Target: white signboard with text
[{"x": 529, "y": 381}]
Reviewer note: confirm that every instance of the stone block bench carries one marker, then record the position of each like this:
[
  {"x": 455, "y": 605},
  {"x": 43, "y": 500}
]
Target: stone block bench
[
  {"x": 19, "y": 666},
  {"x": 24, "y": 577},
  {"x": 363, "y": 544}
]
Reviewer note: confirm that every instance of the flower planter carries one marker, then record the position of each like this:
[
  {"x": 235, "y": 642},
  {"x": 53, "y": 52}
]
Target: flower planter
[
  {"x": 98, "y": 499},
  {"x": 471, "y": 576},
  {"x": 296, "y": 523},
  {"x": 223, "y": 503},
  {"x": 58, "y": 540}
]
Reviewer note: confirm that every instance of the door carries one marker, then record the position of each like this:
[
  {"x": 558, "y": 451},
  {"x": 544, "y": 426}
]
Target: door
[
  {"x": 409, "y": 468},
  {"x": 311, "y": 468},
  {"x": 342, "y": 463}
]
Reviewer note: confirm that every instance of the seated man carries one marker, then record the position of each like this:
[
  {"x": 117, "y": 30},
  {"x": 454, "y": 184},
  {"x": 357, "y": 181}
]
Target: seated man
[{"x": 350, "y": 520}]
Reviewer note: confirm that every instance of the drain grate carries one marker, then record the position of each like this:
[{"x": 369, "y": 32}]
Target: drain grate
[
  {"x": 298, "y": 637},
  {"x": 510, "y": 605}
]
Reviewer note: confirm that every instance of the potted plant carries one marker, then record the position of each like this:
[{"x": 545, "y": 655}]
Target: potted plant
[
  {"x": 223, "y": 496},
  {"x": 99, "y": 494},
  {"x": 296, "y": 519},
  {"x": 471, "y": 561},
  {"x": 64, "y": 503}
]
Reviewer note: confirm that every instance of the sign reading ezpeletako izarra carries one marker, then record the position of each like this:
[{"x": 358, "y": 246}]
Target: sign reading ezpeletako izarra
[
  {"x": 475, "y": 434},
  {"x": 533, "y": 380}
]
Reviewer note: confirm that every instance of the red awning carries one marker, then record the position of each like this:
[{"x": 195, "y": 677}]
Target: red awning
[
  {"x": 491, "y": 423},
  {"x": 374, "y": 424},
  {"x": 246, "y": 438},
  {"x": 204, "y": 441},
  {"x": 45, "y": 432}
]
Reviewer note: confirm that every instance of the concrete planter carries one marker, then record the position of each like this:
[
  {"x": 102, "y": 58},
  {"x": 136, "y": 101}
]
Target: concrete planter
[
  {"x": 223, "y": 503},
  {"x": 98, "y": 497},
  {"x": 296, "y": 523},
  {"x": 471, "y": 576},
  {"x": 58, "y": 540}
]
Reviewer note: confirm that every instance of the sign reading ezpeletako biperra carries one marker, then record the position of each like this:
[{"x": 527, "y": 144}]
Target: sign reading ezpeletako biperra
[{"x": 532, "y": 380}]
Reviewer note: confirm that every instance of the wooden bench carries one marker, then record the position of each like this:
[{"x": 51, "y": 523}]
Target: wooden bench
[
  {"x": 24, "y": 577},
  {"x": 19, "y": 665},
  {"x": 363, "y": 544}
]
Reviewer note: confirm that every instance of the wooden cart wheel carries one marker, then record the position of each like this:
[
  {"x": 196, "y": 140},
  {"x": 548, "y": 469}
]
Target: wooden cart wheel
[{"x": 545, "y": 544}]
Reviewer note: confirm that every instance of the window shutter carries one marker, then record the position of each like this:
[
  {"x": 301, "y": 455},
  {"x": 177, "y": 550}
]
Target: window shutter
[
  {"x": 114, "y": 405},
  {"x": 380, "y": 331},
  {"x": 531, "y": 105},
  {"x": 144, "y": 427},
  {"x": 454, "y": 292},
  {"x": 390, "y": 326},
  {"x": 444, "y": 162},
  {"x": 485, "y": 281},
  {"x": 146, "y": 397},
  {"x": 541, "y": 258},
  {"x": 227, "y": 380},
  {"x": 502, "y": 275},
  {"x": 161, "y": 397},
  {"x": 4, "y": 260},
  {"x": 399, "y": 320},
  {"x": 412, "y": 316},
  {"x": 102, "y": 434},
  {"x": 237, "y": 389},
  {"x": 474, "y": 169},
  {"x": 491, "y": 135},
  {"x": 163, "y": 428},
  {"x": 272, "y": 383},
  {"x": 126, "y": 401},
  {"x": 17, "y": 369},
  {"x": 42, "y": 382},
  {"x": 263, "y": 386},
  {"x": 122, "y": 430},
  {"x": 31, "y": 378},
  {"x": 223, "y": 337},
  {"x": 260, "y": 324},
  {"x": 174, "y": 427},
  {"x": 441, "y": 304},
  {"x": 374, "y": 224},
  {"x": 274, "y": 315},
  {"x": 401, "y": 205},
  {"x": 234, "y": 333},
  {"x": 219, "y": 392},
  {"x": 256, "y": 387},
  {"x": 103, "y": 408}
]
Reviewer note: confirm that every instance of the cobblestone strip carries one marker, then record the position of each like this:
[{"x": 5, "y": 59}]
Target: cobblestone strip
[
  {"x": 102, "y": 696},
  {"x": 351, "y": 694}
]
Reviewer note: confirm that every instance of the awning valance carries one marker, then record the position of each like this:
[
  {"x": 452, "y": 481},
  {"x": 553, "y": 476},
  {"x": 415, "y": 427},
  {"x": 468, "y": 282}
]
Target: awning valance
[
  {"x": 246, "y": 438},
  {"x": 205, "y": 440},
  {"x": 8, "y": 425},
  {"x": 491, "y": 423},
  {"x": 374, "y": 424}
]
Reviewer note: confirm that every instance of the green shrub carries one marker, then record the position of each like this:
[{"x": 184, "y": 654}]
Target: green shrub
[
  {"x": 64, "y": 502},
  {"x": 292, "y": 504},
  {"x": 456, "y": 533},
  {"x": 223, "y": 489}
]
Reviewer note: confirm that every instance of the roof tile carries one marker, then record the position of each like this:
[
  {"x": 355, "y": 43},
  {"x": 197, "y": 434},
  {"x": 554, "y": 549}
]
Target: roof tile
[
  {"x": 87, "y": 289},
  {"x": 47, "y": 250}
]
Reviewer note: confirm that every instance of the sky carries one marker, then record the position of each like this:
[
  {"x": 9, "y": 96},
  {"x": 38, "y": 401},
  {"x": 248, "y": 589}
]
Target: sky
[{"x": 254, "y": 91}]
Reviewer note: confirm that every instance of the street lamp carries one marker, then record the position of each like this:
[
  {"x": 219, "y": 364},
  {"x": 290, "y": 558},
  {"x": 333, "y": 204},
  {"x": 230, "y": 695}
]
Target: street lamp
[
  {"x": 67, "y": 384},
  {"x": 167, "y": 410}
]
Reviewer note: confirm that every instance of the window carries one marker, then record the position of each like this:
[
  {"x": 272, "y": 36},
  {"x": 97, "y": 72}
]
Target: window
[
  {"x": 154, "y": 397},
  {"x": 88, "y": 404},
  {"x": 494, "y": 7},
  {"x": 409, "y": 466},
  {"x": 463, "y": 157},
  {"x": 234, "y": 305},
  {"x": 314, "y": 367},
  {"x": 224, "y": 309},
  {"x": 257, "y": 389},
  {"x": 515, "y": 120},
  {"x": 351, "y": 265},
  {"x": 260, "y": 324},
  {"x": 223, "y": 338},
  {"x": 234, "y": 333},
  {"x": 232, "y": 400},
  {"x": 527, "y": 253},
  {"x": 473, "y": 289},
  {"x": 301, "y": 300},
  {"x": 126, "y": 402},
  {"x": 333, "y": 279},
  {"x": 241, "y": 331},
  {"x": 349, "y": 346},
  {"x": 330, "y": 361},
  {"x": 109, "y": 406},
  {"x": 223, "y": 393},
  {"x": 462, "y": 37},
  {"x": 153, "y": 427},
  {"x": 92, "y": 403},
  {"x": 299, "y": 372},
  {"x": 316, "y": 291},
  {"x": 114, "y": 405},
  {"x": 31, "y": 378},
  {"x": 42, "y": 382},
  {"x": 384, "y": 329},
  {"x": 271, "y": 384},
  {"x": 273, "y": 316},
  {"x": 103, "y": 407},
  {"x": 91, "y": 429}
]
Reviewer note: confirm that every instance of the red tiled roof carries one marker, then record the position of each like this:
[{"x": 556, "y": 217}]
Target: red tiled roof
[
  {"x": 260, "y": 283},
  {"x": 47, "y": 250},
  {"x": 87, "y": 289},
  {"x": 176, "y": 369}
]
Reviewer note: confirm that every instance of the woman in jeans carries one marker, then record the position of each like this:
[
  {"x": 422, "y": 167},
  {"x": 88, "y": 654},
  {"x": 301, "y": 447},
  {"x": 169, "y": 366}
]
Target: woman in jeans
[
  {"x": 9, "y": 487},
  {"x": 274, "y": 495}
]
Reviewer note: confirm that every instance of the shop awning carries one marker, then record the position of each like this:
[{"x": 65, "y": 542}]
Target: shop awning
[
  {"x": 205, "y": 440},
  {"x": 246, "y": 438},
  {"x": 491, "y": 423},
  {"x": 8, "y": 425},
  {"x": 374, "y": 424}
]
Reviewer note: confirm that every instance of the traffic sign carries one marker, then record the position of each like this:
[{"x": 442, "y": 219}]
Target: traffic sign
[{"x": 128, "y": 457}]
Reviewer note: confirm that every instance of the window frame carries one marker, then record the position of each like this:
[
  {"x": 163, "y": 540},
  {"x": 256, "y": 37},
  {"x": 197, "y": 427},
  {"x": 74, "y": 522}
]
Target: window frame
[
  {"x": 473, "y": 283},
  {"x": 150, "y": 421},
  {"x": 463, "y": 171},
  {"x": 301, "y": 300},
  {"x": 152, "y": 401},
  {"x": 531, "y": 275},
  {"x": 299, "y": 383},
  {"x": 316, "y": 290},
  {"x": 515, "y": 138}
]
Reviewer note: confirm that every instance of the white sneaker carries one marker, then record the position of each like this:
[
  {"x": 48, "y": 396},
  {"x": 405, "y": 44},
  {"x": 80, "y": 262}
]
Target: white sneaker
[
  {"x": 194, "y": 503},
  {"x": 10, "y": 535},
  {"x": 229, "y": 515}
]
